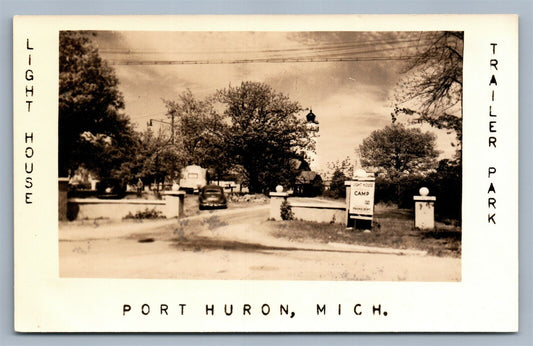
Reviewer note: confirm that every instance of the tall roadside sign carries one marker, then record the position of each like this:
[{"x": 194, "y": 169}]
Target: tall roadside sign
[{"x": 360, "y": 200}]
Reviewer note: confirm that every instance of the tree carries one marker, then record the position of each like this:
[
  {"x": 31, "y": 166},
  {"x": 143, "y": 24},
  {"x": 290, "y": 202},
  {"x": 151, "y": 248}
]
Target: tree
[
  {"x": 398, "y": 150},
  {"x": 337, "y": 188},
  {"x": 340, "y": 172},
  {"x": 446, "y": 184},
  {"x": 431, "y": 92},
  {"x": 345, "y": 166},
  {"x": 264, "y": 134},
  {"x": 432, "y": 88},
  {"x": 156, "y": 159},
  {"x": 93, "y": 131},
  {"x": 199, "y": 133}
]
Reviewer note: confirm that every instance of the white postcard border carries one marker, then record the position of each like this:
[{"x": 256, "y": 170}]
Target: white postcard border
[{"x": 485, "y": 300}]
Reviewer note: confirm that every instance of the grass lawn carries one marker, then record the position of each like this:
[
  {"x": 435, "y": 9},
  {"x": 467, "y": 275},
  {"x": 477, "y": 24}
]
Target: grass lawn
[{"x": 392, "y": 228}]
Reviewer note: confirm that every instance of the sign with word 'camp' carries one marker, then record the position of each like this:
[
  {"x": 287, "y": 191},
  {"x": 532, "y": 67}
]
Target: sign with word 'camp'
[{"x": 362, "y": 198}]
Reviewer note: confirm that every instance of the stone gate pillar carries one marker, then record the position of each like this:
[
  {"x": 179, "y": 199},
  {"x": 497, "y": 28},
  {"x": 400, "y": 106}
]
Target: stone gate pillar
[
  {"x": 174, "y": 203},
  {"x": 276, "y": 199},
  {"x": 424, "y": 209},
  {"x": 62, "y": 198}
]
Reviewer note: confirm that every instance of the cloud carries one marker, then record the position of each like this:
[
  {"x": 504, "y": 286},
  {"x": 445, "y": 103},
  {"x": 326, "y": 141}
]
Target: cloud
[
  {"x": 350, "y": 98},
  {"x": 345, "y": 120}
]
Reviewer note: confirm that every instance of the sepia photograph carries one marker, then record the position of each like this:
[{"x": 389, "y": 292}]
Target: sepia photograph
[
  {"x": 328, "y": 173},
  {"x": 260, "y": 155}
]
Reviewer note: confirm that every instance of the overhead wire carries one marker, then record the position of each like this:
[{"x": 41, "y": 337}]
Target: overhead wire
[
  {"x": 305, "y": 55},
  {"x": 251, "y": 61},
  {"x": 354, "y": 44}
]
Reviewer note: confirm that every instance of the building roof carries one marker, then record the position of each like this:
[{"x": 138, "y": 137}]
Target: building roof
[{"x": 306, "y": 177}]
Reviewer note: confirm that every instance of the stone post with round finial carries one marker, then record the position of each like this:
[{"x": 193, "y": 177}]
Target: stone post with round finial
[
  {"x": 276, "y": 199},
  {"x": 424, "y": 209}
]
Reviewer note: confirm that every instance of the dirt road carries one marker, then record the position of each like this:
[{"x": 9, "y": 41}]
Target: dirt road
[{"x": 231, "y": 244}]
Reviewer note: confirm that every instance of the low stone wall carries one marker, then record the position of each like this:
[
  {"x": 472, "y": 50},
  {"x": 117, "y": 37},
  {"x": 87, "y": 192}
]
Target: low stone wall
[
  {"x": 318, "y": 212},
  {"x": 116, "y": 209},
  {"x": 309, "y": 209}
]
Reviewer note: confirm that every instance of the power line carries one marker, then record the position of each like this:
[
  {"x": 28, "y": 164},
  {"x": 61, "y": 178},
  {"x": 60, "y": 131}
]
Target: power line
[
  {"x": 258, "y": 60},
  {"x": 152, "y": 115},
  {"x": 344, "y": 55},
  {"x": 379, "y": 50},
  {"x": 309, "y": 54},
  {"x": 336, "y": 46}
]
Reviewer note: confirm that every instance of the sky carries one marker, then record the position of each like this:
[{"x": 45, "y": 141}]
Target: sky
[{"x": 350, "y": 98}]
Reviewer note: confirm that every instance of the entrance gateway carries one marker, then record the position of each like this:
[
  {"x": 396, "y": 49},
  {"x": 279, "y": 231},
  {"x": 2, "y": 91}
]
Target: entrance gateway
[{"x": 360, "y": 200}]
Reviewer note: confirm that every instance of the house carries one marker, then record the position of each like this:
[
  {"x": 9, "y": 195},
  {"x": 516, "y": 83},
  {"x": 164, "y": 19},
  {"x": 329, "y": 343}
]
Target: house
[{"x": 308, "y": 184}]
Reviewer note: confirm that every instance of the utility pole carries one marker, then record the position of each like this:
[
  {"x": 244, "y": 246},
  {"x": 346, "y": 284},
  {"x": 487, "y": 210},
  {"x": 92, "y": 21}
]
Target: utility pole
[
  {"x": 172, "y": 127},
  {"x": 172, "y": 141},
  {"x": 150, "y": 123}
]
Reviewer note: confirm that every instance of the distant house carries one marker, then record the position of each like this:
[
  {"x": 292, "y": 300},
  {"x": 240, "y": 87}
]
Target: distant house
[{"x": 308, "y": 184}]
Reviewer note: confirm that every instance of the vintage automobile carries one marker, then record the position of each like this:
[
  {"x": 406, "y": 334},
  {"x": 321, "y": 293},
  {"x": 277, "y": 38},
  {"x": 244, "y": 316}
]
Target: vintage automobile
[{"x": 212, "y": 196}]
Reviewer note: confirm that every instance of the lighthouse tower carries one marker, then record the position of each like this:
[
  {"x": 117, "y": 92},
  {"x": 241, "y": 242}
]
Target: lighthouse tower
[
  {"x": 312, "y": 126},
  {"x": 311, "y": 118}
]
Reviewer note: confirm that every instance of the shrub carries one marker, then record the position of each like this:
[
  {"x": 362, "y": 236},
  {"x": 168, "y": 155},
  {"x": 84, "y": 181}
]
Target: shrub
[
  {"x": 286, "y": 211},
  {"x": 146, "y": 214}
]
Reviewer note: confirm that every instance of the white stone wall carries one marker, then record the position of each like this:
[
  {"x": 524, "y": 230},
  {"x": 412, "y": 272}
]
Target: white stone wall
[
  {"x": 308, "y": 209},
  {"x": 93, "y": 208},
  {"x": 319, "y": 214}
]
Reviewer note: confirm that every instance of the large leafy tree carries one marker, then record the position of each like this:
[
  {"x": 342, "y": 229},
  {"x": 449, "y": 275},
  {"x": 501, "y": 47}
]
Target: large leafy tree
[
  {"x": 199, "y": 133},
  {"x": 398, "y": 150},
  {"x": 265, "y": 136},
  {"x": 93, "y": 130},
  {"x": 431, "y": 90}
]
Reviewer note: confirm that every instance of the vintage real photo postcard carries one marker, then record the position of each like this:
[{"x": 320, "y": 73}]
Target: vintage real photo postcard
[{"x": 335, "y": 173}]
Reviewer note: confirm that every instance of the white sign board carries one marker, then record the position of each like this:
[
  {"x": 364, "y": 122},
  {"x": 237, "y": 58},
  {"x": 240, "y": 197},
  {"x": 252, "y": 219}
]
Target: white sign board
[{"x": 362, "y": 198}]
